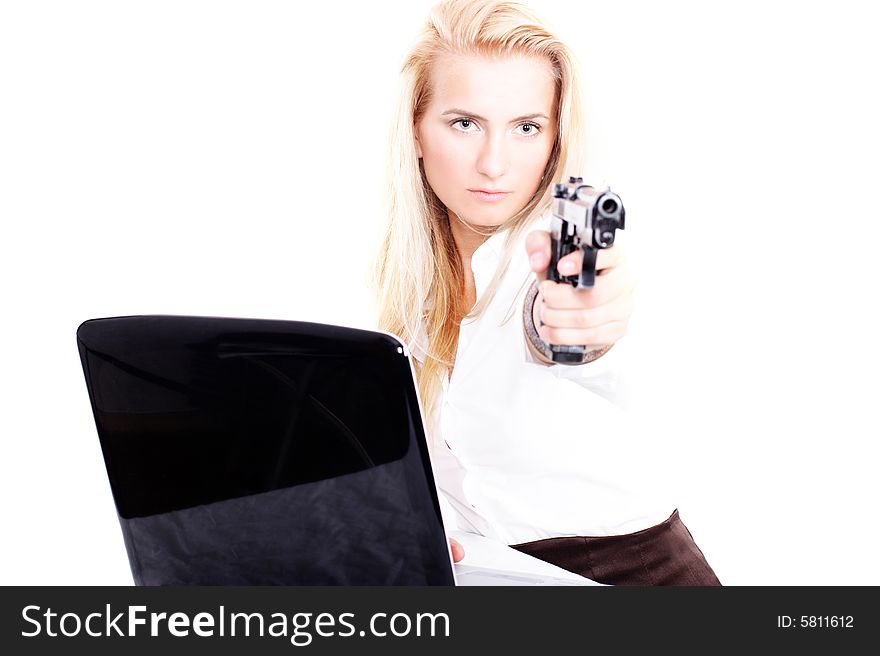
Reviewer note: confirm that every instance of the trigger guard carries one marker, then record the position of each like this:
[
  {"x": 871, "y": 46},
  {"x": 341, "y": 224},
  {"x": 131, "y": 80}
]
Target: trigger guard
[{"x": 588, "y": 268}]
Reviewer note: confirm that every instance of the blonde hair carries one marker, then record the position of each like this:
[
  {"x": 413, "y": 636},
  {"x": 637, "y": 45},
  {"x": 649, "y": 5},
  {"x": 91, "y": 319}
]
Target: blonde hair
[{"x": 418, "y": 276}]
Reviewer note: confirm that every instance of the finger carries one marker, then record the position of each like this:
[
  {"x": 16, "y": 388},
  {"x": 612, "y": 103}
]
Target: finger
[
  {"x": 457, "y": 550},
  {"x": 560, "y": 296},
  {"x": 538, "y": 250},
  {"x": 607, "y": 333},
  {"x": 608, "y": 258},
  {"x": 571, "y": 264},
  {"x": 619, "y": 309}
]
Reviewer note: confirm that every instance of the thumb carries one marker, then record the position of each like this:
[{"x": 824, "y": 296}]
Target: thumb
[{"x": 538, "y": 250}]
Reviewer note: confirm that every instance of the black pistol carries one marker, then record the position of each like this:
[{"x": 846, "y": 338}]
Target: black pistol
[{"x": 587, "y": 218}]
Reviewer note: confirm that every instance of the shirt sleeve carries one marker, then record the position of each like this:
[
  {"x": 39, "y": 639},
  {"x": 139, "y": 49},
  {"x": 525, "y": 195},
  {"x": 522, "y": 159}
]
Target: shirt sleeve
[{"x": 605, "y": 376}]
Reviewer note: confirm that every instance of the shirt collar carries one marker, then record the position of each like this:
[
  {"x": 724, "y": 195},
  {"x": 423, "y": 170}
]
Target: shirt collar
[{"x": 487, "y": 254}]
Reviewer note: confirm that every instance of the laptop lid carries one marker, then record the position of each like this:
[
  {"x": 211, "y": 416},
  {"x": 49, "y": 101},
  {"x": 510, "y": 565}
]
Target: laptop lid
[{"x": 258, "y": 452}]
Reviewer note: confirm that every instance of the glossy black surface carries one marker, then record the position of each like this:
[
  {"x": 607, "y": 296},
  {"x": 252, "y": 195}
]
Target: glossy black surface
[{"x": 251, "y": 451}]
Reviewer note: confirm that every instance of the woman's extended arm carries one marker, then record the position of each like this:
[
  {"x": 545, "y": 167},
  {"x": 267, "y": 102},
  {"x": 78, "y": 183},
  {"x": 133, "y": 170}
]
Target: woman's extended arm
[
  {"x": 540, "y": 349},
  {"x": 557, "y": 313}
]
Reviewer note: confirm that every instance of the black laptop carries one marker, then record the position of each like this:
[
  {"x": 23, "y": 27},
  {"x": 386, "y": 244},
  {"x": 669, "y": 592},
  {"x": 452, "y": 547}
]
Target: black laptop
[{"x": 258, "y": 452}]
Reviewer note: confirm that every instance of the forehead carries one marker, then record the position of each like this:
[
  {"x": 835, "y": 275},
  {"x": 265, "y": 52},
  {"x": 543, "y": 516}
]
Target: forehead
[{"x": 495, "y": 87}]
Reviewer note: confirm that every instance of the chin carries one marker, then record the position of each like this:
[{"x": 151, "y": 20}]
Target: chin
[{"x": 488, "y": 219}]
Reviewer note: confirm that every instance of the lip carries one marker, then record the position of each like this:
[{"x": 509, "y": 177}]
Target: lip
[{"x": 488, "y": 195}]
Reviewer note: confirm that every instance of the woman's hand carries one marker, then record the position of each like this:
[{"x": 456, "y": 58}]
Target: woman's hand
[
  {"x": 594, "y": 317},
  {"x": 457, "y": 550}
]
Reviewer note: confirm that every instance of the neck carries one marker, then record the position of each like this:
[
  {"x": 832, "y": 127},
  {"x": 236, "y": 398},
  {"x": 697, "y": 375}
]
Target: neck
[{"x": 467, "y": 239}]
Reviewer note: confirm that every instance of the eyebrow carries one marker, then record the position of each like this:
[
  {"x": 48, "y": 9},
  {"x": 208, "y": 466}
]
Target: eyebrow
[{"x": 526, "y": 117}]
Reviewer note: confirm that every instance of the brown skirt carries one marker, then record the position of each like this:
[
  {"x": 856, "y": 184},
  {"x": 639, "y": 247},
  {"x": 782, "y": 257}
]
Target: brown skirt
[{"x": 665, "y": 554}]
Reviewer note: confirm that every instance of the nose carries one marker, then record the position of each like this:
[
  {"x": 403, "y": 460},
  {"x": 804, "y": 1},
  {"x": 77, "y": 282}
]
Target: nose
[{"x": 493, "y": 160}]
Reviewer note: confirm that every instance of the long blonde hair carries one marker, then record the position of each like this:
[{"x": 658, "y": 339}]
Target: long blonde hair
[{"x": 418, "y": 276}]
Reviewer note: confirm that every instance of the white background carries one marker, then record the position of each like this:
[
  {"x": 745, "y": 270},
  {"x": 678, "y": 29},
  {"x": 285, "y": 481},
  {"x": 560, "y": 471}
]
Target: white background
[{"x": 222, "y": 158}]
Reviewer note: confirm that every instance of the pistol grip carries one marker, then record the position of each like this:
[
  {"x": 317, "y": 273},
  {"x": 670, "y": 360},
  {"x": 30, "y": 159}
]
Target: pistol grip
[{"x": 571, "y": 354}]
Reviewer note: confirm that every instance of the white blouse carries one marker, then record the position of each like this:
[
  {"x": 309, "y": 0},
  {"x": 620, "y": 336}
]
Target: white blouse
[{"x": 531, "y": 451}]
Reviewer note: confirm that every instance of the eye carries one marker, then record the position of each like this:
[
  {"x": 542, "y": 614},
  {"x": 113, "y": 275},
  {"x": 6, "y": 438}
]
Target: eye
[
  {"x": 464, "y": 124},
  {"x": 529, "y": 129}
]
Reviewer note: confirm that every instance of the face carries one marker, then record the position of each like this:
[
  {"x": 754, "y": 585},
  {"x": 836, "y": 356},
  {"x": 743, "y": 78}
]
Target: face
[{"x": 487, "y": 134}]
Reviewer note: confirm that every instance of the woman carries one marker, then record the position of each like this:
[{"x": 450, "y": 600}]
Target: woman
[{"x": 526, "y": 451}]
